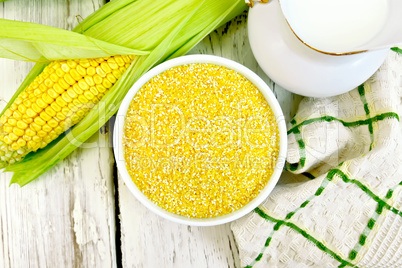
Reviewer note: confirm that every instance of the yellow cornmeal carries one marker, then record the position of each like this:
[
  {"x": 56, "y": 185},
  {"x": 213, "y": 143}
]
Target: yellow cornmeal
[{"x": 200, "y": 140}]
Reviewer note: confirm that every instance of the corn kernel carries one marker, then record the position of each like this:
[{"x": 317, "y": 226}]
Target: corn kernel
[
  {"x": 119, "y": 61},
  {"x": 36, "y": 139},
  {"x": 44, "y": 116},
  {"x": 63, "y": 83},
  {"x": 58, "y": 130},
  {"x": 100, "y": 72},
  {"x": 69, "y": 79},
  {"x": 43, "y": 87},
  {"x": 81, "y": 70},
  {"x": 35, "y": 84},
  {"x": 72, "y": 64},
  {"x": 15, "y": 146},
  {"x": 7, "y": 140},
  {"x": 91, "y": 71},
  {"x": 126, "y": 59},
  {"x": 54, "y": 78},
  {"x": 112, "y": 64},
  {"x": 35, "y": 127},
  {"x": 107, "y": 84},
  {"x": 52, "y": 123},
  {"x": 84, "y": 63},
  {"x": 117, "y": 74},
  {"x": 122, "y": 69},
  {"x": 89, "y": 95},
  {"x": 3, "y": 119},
  {"x": 46, "y": 128},
  {"x": 37, "y": 92},
  {"x": 49, "y": 111},
  {"x": 8, "y": 129},
  {"x": 73, "y": 108},
  {"x": 93, "y": 63},
  {"x": 89, "y": 80},
  {"x": 27, "y": 120},
  {"x": 82, "y": 99},
  {"x": 39, "y": 121},
  {"x": 8, "y": 113},
  {"x": 60, "y": 101},
  {"x": 41, "y": 103},
  {"x": 55, "y": 107},
  {"x": 47, "y": 139},
  {"x": 52, "y": 93},
  {"x": 66, "y": 97},
  {"x": 18, "y": 101},
  {"x": 12, "y": 122},
  {"x": 49, "y": 83},
  {"x": 35, "y": 108},
  {"x": 60, "y": 72},
  {"x": 94, "y": 91},
  {"x": 21, "y": 142},
  {"x": 58, "y": 89},
  {"x": 30, "y": 133},
  {"x": 105, "y": 67},
  {"x": 72, "y": 93},
  {"x": 111, "y": 78},
  {"x": 99, "y": 60},
  {"x": 83, "y": 85},
  {"x": 14, "y": 107},
  {"x": 80, "y": 113},
  {"x": 68, "y": 122},
  {"x": 60, "y": 116},
  {"x": 66, "y": 111},
  {"x": 46, "y": 98},
  {"x": 13, "y": 136},
  {"x": 98, "y": 79},
  {"x": 22, "y": 125},
  {"x": 18, "y": 132},
  {"x": 75, "y": 75},
  {"x": 31, "y": 144},
  {"x": 77, "y": 89},
  {"x": 22, "y": 108},
  {"x": 75, "y": 118},
  {"x": 42, "y": 133}
]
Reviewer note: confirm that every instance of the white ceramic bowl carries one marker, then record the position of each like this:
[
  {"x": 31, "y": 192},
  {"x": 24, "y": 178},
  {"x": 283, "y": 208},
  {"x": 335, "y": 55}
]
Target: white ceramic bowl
[{"x": 118, "y": 138}]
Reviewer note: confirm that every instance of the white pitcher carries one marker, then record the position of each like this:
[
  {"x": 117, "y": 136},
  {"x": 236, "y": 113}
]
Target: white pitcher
[{"x": 341, "y": 27}]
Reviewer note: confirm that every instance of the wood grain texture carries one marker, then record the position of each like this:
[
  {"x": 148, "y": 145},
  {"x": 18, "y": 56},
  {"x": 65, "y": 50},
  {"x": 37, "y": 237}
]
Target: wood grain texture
[
  {"x": 151, "y": 241},
  {"x": 66, "y": 217}
]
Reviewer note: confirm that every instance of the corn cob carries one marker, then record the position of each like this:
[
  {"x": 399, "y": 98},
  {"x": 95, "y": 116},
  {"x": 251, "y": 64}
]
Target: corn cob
[{"x": 57, "y": 99}]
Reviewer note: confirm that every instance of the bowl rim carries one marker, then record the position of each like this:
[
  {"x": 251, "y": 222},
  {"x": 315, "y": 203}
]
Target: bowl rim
[{"x": 184, "y": 60}]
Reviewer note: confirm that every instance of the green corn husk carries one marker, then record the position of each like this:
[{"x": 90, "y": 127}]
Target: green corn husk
[{"x": 155, "y": 30}]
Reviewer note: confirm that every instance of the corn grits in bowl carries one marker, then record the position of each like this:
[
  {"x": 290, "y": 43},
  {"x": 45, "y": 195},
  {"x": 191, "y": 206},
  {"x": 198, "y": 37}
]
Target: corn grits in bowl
[{"x": 200, "y": 140}]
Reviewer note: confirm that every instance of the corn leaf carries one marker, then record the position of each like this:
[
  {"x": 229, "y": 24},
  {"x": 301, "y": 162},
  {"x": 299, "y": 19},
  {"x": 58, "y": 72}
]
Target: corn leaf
[
  {"x": 184, "y": 30},
  {"x": 36, "y": 42}
]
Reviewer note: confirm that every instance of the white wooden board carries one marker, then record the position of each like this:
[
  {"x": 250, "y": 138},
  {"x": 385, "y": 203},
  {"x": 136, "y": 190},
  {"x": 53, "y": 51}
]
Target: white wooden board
[{"x": 66, "y": 217}]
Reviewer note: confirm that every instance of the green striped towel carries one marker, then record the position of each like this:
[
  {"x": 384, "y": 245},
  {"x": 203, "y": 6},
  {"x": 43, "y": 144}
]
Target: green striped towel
[{"x": 339, "y": 203}]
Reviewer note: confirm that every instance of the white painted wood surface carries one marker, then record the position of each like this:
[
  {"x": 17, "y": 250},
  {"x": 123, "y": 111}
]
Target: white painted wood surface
[{"x": 67, "y": 218}]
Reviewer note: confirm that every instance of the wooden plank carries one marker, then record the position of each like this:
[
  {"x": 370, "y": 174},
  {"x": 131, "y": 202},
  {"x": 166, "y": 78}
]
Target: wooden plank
[
  {"x": 151, "y": 241},
  {"x": 66, "y": 217}
]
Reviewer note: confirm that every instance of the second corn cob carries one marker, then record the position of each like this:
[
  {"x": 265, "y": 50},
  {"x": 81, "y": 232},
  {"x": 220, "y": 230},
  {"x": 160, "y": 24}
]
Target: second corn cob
[{"x": 57, "y": 99}]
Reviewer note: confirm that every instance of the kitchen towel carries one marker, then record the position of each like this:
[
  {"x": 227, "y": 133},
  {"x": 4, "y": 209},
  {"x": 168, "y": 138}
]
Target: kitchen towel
[{"x": 339, "y": 202}]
